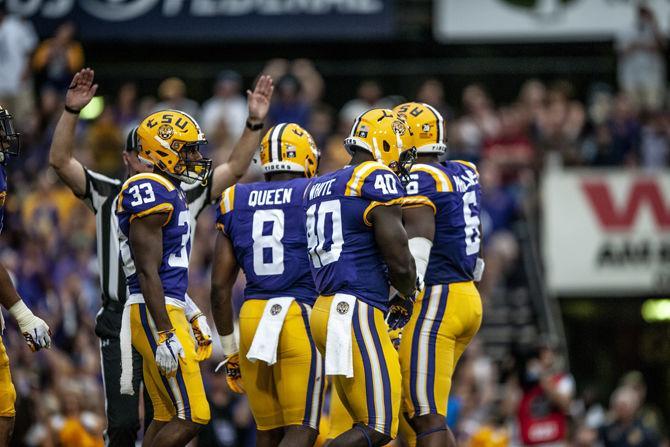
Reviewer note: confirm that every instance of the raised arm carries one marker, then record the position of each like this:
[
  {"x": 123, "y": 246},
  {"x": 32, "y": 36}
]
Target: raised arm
[
  {"x": 391, "y": 239},
  {"x": 231, "y": 171},
  {"x": 69, "y": 169}
]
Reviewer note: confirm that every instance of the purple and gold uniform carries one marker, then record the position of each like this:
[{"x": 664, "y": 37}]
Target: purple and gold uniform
[
  {"x": 182, "y": 395},
  {"x": 448, "y": 313},
  {"x": 345, "y": 259},
  {"x": 265, "y": 223},
  {"x": 7, "y": 390}
]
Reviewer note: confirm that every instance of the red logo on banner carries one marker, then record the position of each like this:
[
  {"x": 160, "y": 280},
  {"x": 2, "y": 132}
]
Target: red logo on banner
[{"x": 612, "y": 217}]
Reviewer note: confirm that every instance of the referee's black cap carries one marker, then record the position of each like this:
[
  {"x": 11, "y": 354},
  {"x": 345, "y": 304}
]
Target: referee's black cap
[{"x": 132, "y": 141}]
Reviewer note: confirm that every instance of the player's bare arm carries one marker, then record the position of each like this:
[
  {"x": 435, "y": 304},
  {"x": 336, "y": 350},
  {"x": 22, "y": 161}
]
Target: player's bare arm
[
  {"x": 230, "y": 172},
  {"x": 419, "y": 222},
  {"x": 392, "y": 242},
  {"x": 146, "y": 242},
  {"x": 224, "y": 273},
  {"x": 69, "y": 169}
]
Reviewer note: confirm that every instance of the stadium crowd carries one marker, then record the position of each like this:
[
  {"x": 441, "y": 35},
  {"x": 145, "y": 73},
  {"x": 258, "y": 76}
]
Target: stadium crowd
[{"x": 49, "y": 238}]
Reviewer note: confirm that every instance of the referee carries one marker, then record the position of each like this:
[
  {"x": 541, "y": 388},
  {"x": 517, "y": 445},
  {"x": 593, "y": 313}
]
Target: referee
[{"x": 98, "y": 193}]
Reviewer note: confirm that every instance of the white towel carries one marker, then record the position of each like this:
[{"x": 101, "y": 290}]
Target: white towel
[
  {"x": 266, "y": 338},
  {"x": 126, "y": 353},
  {"x": 339, "y": 355}
]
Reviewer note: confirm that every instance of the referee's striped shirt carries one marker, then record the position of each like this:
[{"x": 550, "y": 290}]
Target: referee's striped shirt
[{"x": 100, "y": 194}]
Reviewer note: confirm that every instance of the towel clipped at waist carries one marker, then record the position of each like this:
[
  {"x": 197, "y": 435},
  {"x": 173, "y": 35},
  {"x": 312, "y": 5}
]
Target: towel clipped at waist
[
  {"x": 339, "y": 354},
  {"x": 266, "y": 339}
]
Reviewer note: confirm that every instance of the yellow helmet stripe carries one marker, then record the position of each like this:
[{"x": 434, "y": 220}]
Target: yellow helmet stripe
[
  {"x": 275, "y": 142},
  {"x": 440, "y": 123}
]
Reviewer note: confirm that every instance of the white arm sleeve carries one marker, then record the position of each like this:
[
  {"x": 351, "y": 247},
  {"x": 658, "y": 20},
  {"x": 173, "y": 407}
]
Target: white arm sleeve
[{"x": 420, "y": 248}]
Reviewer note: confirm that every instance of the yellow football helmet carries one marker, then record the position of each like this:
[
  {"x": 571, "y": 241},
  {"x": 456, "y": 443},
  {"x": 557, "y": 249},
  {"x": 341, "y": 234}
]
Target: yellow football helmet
[
  {"x": 427, "y": 127},
  {"x": 170, "y": 140},
  {"x": 386, "y": 136},
  {"x": 287, "y": 147},
  {"x": 10, "y": 140}
]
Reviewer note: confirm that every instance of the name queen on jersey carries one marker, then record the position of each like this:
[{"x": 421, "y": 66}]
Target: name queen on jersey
[
  {"x": 256, "y": 217},
  {"x": 344, "y": 254},
  {"x": 145, "y": 194}
]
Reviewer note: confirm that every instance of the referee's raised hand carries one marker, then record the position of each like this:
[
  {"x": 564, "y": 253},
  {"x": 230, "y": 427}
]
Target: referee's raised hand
[{"x": 81, "y": 90}]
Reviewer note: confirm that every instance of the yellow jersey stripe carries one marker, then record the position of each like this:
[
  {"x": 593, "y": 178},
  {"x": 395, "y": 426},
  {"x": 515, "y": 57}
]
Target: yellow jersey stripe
[
  {"x": 375, "y": 204},
  {"x": 160, "y": 208},
  {"x": 442, "y": 181},
  {"x": 417, "y": 201},
  {"x": 361, "y": 172},
  {"x": 228, "y": 200},
  {"x": 468, "y": 164},
  {"x": 150, "y": 176}
]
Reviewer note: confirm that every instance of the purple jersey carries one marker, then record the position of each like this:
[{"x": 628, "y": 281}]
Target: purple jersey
[
  {"x": 145, "y": 194},
  {"x": 452, "y": 190},
  {"x": 266, "y": 225},
  {"x": 343, "y": 251},
  {"x": 3, "y": 193}
]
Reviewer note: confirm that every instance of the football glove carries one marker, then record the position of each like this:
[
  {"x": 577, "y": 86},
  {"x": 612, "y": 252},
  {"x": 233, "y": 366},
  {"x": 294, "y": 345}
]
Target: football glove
[
  {"x": 395, "y": 335},
  {"x": 231, "y": 363},
  {"x": 168, "y": 351},
  {"x": 479, "y": 269},
  {"x": 400, "y": 308},
  {"x": 203, "y": 336},
  {"x": 35, "y": 331}
]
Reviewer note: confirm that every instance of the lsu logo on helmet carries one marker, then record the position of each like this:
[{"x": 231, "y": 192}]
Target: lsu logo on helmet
[
  {"x": 385, "y": 135},
  {"x": 287, "y": 147},
  {"x": 170, "y": 140},
  {"x": 426, "y": 125}
]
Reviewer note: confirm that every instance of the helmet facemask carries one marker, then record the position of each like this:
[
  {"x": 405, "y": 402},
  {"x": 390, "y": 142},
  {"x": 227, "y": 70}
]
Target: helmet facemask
[
  {"x": 193, "y": 170},
  {"x": 403, "y": 166},
  {"x": 10, "y": 140}
]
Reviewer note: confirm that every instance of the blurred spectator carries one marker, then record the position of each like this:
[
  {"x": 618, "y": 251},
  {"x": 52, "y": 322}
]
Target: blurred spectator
[
  {"x": 532, "y": 99},
  {"x": 17, "y": 41},
  {"x": 288, "y": 107},
  {"x": 479, "y": 123},
  {"x": 58, "y": 58},
  {"x": 625, "y": 429},
  {"x": 560, "y": 127},
  {"x": 499, "y": 211},
  {"x": 547, "y": 394},
  {"x": 641, "y": 64},
  {"x": 369, "y": 96},
  {"x": 655, "y": 144},
  {"x": 126, "y": 113},
  {"x": 311, "y": 80},
  {"x": 227, "y": 107},
  {"x": 431, "y": 92},
  {"x": 105, "y": 141},
  {"x": 172, "y": 92},
  {"x": 511, "y": 149}
]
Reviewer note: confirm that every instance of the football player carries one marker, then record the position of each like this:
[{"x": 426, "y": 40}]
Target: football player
[
  {"x": 34, "y": 329},
  {"x": 441, "y": 214},
  {"x": 357, "y": 244},
  {"x": 262, "y": 231},
  {"x": 155, "y": 243}
]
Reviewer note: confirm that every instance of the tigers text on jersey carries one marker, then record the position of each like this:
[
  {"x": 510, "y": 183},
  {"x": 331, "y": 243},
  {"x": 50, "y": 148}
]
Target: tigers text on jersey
[
  {"x": 266, "y": 225},
  {"x": 3, "y": 194},
  {"x": 145, "y": 194},
  {"x": 452, "y": 189},
  {"x": 342, "y": 247}
]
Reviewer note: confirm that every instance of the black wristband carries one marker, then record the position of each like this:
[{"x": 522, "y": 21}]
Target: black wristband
[
  {"x": 71, "y": 110},
  {"x": 258, "y": 126}
]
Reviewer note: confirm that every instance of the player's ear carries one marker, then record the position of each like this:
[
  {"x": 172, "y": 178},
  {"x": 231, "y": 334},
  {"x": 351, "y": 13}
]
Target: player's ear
[{"x": 126, "y": 163}]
